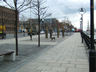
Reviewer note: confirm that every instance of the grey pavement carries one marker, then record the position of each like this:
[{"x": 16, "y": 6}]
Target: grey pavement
[
  {"x": 67, "y": 56},
  {"x": 28, "y": 50},
  {"x": 8, "y": 36}
]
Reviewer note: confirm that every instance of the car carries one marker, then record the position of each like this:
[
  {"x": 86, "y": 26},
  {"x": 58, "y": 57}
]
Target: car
[{"x": 42, "y": 32}]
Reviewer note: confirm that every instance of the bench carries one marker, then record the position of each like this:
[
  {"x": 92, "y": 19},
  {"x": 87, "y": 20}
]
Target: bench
[{"x": 8, "y": 55}]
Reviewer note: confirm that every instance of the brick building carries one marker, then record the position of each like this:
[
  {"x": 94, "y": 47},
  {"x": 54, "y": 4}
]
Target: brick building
[
  {"x": 50, "y": 23},
  {"x": 7, "y": 18}
]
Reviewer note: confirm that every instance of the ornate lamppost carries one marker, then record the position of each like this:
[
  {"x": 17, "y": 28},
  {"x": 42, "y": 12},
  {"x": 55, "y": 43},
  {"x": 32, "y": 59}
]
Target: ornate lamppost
[{"x": 92, "y": 53}]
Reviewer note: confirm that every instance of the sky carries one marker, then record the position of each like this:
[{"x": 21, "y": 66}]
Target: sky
[
  {"x": 62, "y": 9},
  {"x": 70, "y": 9}
]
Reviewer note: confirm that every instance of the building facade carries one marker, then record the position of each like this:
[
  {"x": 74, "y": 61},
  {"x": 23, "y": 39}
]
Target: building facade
[
  {"x": 7, "y": 19},
  {"x": 50, "y": 23}
]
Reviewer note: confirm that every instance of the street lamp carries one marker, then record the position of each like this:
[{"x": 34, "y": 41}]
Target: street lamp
[
  {"x": 92, "y": 53},
  {"x": 82, "y": 11}
]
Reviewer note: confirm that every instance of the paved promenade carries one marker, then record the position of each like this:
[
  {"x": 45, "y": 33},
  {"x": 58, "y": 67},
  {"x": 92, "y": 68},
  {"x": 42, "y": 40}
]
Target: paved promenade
[{"x": 68, "y": 56}]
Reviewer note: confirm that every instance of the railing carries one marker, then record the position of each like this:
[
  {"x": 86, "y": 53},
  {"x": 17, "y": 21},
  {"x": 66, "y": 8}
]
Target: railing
[
  {"x": 92, "y": 53},
  {"x": 86, "y": 38}
]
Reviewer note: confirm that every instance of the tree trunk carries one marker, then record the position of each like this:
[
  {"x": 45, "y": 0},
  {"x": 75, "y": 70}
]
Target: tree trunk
[
  {"x": 46, "y": 33},
  {"x": 62, "y": 32},
  {"x": 50, "y": 33},
  {"x": 39, "y": 31},
  {"x": 16, "y": 24},
  {"x": 38, "y": 24},
  {"x": 58, "y": 33}
]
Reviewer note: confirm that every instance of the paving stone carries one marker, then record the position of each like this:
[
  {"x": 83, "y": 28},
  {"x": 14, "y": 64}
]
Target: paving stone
[
  {"x": 58, "y": 69},
  {"x": 77, "y": 70},
  {"x": 68, "y": 65},
  {"x": 82, "y": 66},
  {"x": 67, "y": 56}
]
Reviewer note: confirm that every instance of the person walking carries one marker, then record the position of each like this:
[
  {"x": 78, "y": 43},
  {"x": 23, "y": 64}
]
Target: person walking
[{"x": 30, "y": 33}]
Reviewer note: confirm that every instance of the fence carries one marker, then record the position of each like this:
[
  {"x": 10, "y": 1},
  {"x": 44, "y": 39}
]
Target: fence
[
  {"x": 86, "y": 38},
  {"x": 92, "y": 52}
]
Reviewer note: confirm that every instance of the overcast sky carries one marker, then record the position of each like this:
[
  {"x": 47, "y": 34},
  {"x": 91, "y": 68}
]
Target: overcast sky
[{"x": 70, "y": 9}]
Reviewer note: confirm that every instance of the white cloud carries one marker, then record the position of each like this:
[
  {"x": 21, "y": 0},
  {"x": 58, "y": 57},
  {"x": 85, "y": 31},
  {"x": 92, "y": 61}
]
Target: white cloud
[{"x": 69, "y": 8}]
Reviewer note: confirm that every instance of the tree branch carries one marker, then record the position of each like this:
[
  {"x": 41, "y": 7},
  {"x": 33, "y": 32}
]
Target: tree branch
[
  {"x": 25, "y": 9},
  {"x": 34, "y": 12},
  {"x": 21, "y": 4},
  {"x": 25, "y": 4},
  {"x": 9, "y": 5}
]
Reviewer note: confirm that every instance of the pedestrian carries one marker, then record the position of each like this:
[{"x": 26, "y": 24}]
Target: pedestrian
[
  {"x": 23, "y": 33},
  {"x": 30, "y": 35}
]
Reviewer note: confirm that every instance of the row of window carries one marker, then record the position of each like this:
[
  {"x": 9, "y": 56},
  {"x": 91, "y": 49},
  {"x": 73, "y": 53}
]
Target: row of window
[
  {"x": 7, "y": 13},
  {"x": 11, "y": 22}
]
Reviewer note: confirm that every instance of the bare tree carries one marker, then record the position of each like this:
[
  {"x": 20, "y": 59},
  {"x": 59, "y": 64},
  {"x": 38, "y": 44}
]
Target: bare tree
[
  {"x": 19, "y": 6},
  {"x": 41, "y": 12},
  {"x": 22, "y": 5}
]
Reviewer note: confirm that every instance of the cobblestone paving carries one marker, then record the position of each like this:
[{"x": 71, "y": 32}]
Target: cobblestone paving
[{"x": 68, "y": 56}]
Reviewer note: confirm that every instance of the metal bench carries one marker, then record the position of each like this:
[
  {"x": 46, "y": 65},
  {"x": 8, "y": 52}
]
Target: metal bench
[{"x": 8, "y": 55}]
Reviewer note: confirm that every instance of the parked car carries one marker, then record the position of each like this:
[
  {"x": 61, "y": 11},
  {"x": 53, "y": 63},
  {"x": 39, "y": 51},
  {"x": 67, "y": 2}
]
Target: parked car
[{"x": 42, "y": 32}]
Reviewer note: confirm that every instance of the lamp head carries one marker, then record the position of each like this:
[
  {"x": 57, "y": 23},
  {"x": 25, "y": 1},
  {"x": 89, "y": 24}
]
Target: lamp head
[{"x": 82, "y": 10}]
